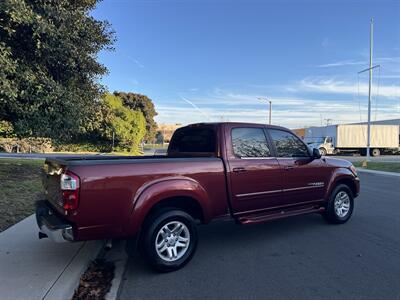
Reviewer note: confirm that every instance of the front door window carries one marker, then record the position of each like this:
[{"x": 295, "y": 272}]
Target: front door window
[{"x": 287, "y": 144}]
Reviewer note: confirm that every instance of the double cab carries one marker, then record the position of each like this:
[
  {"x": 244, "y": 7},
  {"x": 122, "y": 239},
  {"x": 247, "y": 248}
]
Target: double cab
[{"x": 251, "y": 173}]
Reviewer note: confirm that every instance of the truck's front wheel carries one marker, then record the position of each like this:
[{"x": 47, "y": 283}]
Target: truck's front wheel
[
  {"x": 169, "y": 240},
  {"x": 340, "y": 205}
]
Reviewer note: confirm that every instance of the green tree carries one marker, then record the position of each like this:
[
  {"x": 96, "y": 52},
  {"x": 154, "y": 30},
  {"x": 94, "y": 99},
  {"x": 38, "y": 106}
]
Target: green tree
[
  {"x": 129, "y": 126},
  {"x": 146, "y": 106},
  {"x": 6, "y": 129},
  {"x": 48, "y": 68}
]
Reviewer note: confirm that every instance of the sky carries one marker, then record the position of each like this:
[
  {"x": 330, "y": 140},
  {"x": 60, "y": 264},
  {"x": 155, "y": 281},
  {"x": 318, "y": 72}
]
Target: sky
[{"x": 210, "y": 60}]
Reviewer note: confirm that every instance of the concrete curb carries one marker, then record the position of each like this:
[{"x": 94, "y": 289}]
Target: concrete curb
[
  {"x": 117, "y": 255},
  {"x": 65, "y": 285},
  {"x": 41, "y": 269},
  {"x": 379, "y": 172}
]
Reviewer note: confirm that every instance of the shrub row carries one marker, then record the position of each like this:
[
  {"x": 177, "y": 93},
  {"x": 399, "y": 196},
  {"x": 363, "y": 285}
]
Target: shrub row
[{"x": 26, "y": 145}]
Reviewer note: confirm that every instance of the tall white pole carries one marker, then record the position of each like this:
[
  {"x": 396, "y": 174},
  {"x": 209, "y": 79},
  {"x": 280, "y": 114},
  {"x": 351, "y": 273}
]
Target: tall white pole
[
  {"x": 369, "y": 88},
  {"x": 270, "y": 108},
  {"x": 270, "y": 112}
]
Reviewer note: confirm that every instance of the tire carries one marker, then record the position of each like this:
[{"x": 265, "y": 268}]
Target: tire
[
  {"x": 158, "y": 230},
  {"x": 340, "y": 205},
  {"x": 375, "y": 152},
  {"x": 322, "y": 151}
]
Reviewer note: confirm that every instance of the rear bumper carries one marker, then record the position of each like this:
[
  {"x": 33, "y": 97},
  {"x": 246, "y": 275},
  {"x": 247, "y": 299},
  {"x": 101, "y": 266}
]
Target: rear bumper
[{"x": 51, "y": 225}]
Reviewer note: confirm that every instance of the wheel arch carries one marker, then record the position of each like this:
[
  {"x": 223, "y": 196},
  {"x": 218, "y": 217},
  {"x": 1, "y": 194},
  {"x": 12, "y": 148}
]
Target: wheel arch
[
  {"x": 184, "y": 203},
  {"x": 348, "y": 182},
  {"x": 343, "y": 176},
  {"x": 180, "y": 193}
]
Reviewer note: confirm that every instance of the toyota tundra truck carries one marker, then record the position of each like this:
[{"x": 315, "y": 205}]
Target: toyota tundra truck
[{"x": 250, "y": 173}]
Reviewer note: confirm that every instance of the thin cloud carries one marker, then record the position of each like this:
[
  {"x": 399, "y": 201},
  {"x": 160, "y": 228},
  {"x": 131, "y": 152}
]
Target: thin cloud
[
  {"x": 309, "y": 116},
  {"x": 134, "y": 81},
  {"x": 389, "y": 59},
  {"x": 394, "y": 76},
  {"x": 333, "y": 86},
  {"x": 135, "y": 61},
  {"x": 313, "y": 97},
  {"x": 196, "y": 107},
  {"x": 286, "y": 111},
  {"x": 355, "y": 62},
  {"x": 138, "y": 63},
  {"x": 343, "y": 63}
]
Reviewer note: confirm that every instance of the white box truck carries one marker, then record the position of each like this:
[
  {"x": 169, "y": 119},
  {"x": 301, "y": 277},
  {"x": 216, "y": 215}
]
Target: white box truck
[{"x": 334, "y": 139}]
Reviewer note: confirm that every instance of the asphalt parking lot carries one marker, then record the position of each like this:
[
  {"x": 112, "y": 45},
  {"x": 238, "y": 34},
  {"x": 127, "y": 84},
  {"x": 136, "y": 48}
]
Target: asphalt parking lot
[{"x": 297, "y": 258}]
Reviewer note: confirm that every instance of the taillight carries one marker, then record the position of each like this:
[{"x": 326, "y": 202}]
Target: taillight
[{"x": 69, "y": 184}]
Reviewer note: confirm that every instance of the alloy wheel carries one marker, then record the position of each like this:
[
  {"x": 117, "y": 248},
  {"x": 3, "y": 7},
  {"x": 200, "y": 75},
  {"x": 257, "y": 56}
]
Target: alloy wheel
[{"x": 172, "y": 241}]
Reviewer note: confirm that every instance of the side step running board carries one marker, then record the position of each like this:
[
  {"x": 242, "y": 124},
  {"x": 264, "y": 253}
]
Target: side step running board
[{"x": 260, "y": 218}]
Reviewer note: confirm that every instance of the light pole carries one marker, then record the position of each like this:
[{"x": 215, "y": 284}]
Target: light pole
[
  {"x": 270, "y": 108},
  {"x": 371, "y": 42}
]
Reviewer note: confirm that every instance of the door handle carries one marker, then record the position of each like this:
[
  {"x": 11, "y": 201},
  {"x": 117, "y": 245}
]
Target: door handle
[
  {"x": 238, "y": 170},
  {"x": 288, "y": 168}
]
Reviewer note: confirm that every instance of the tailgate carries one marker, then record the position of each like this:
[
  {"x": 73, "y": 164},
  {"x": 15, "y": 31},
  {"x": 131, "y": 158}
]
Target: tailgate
[{"x": 52, "y": 171}]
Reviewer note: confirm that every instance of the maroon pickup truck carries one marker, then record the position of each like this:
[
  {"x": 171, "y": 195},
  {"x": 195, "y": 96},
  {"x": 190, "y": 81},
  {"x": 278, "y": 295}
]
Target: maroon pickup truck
[{"x": 251, "y": 173}]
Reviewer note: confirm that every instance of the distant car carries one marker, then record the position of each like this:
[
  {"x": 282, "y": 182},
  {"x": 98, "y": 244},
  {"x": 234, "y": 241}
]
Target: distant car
[{"x": 251, "y": 173}]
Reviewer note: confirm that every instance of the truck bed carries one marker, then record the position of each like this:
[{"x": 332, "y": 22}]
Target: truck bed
[{"x": 112, "y": 185}]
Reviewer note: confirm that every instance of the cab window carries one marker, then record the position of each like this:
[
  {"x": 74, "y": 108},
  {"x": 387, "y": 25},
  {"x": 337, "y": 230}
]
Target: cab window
[
  {"x": 250, "y": 142},
  {"x": 287, "y": 144},
  {"x": 193, "y": 141}
]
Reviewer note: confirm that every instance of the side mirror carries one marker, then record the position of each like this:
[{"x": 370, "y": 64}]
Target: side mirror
[{"x": 316, "y": 153}]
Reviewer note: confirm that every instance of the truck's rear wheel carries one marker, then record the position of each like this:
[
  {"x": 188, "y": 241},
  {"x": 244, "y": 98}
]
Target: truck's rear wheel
[
  {"x": 340, "y": 205},
  {"x": 375, "y": 152},
  {"x": 169, "y": 240}
]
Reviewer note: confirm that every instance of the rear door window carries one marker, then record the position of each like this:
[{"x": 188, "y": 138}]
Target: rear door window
[{"x": 250, "y": 142}]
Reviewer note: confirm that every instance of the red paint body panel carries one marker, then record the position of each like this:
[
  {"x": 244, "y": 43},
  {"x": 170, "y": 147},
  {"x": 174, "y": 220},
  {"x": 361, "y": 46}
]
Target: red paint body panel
[
  {"x": 115, "y": 198},
  {"x": 116, "y": 194}
]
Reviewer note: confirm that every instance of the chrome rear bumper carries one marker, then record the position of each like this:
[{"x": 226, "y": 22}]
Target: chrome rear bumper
[{"x": 52, "y": 226}]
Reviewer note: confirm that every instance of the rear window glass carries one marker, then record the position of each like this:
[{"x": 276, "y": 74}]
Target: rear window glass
[{"x": 193, "y": 140}]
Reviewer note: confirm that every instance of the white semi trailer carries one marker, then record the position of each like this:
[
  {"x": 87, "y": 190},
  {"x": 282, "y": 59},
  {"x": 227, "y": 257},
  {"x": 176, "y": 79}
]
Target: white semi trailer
[{"x": 334, "y": 139}]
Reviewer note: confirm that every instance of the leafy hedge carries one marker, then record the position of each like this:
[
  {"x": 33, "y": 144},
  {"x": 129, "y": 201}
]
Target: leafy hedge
[
  {"x": 82, "y": 147},
  {"x": 26, "y": 145}
]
